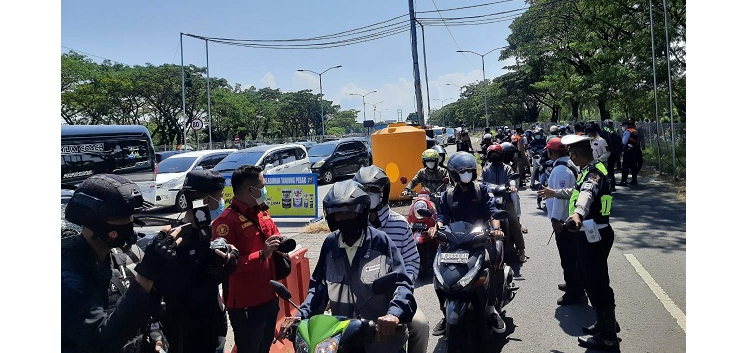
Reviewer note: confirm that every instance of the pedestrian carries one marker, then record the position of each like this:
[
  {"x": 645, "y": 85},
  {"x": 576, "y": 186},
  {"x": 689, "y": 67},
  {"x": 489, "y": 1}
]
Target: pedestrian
[
  {"x": 632, "y": 156},
  {"x": 103, "y": 205},
  {"x": 195, "y": 320},
  {"x": 382, "y": 217},
  {"x": 251, "y": 302},
  {"x": 615, "y": 145},
  {"x": 352, "y": 256},
  {"x": 563, "y": 176},
  {"x": 599, "y": 144},
  {"x": 589, "y": 209}
]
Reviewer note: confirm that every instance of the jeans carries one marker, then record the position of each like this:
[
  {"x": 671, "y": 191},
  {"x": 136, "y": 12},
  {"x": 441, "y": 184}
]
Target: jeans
[{"x": 254, "y": 327}]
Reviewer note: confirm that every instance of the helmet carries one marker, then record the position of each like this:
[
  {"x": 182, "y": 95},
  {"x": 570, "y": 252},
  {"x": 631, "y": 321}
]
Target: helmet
[
  {"x": 461, "y": 161},
  {"x": 430, "y": 155},
  {"x": 102, "y": 196},
  {"x": 487, "y": 137},
  {"x": 494, "y": 148},
  {"x": 374, "y": 180},
  {"x": 554, "y": 129},
  {"x": 346, "y": 196},
  {"x": 441, "y": 152},
  {"x": 509, "y": 150}
]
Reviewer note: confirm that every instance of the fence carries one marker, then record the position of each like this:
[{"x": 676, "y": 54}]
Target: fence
[{"x": 251, "y": 143}]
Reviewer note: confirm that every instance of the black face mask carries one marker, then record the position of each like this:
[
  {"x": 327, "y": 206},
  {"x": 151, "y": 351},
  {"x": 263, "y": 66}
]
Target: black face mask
[
  {"x": 125, "y": 234},
  {"x": 496, "y": 159},
  {"x": 350, "y": 230}
]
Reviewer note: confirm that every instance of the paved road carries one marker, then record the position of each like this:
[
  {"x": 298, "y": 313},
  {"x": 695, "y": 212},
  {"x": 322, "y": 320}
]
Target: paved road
[{"x": 646, "y": 265}]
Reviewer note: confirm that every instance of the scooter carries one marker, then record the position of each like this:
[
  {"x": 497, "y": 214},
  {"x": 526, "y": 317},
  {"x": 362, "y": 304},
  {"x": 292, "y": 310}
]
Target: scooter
[
  {"x": 463, "y": 271},
  {"x": 502, "y": 196},
  {"x": 340, "y": 334},
  {"x": 426, "y": 245}
]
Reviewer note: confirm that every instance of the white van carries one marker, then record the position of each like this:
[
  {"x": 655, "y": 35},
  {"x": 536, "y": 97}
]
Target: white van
[
  {"x": 172, "y": 171},
  {"x": 441, "y": 138}
]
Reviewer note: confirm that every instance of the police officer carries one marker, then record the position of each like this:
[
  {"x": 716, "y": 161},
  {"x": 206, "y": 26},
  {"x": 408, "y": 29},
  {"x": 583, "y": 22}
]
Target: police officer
[
  {"x": 104, "y": 205},
  {"x": 195, "y": 319},
  {"x": 632, "y": 156},
  {"x": 589, "y": 210}
]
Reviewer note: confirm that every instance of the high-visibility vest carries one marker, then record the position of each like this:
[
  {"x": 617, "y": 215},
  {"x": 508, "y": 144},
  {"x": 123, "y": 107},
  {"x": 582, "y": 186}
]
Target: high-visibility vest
[{"x": 602, "y": 205}]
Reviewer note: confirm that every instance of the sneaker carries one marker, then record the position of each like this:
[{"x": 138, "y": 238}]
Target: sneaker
[
  {"x": 623, "y": 183},
  {"x": 563, "y": 287},
  {"x": 497, "y": 323},
  {"x": 439, "y": 329},
  {"x": 568, "y": 299},
  {"x": 599, "y": 343}
]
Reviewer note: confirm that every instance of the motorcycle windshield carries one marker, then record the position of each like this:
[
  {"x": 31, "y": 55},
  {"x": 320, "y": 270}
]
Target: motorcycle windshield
[
  {"x": 320, "y": 327},
  {"x": 460, "y": 233}
]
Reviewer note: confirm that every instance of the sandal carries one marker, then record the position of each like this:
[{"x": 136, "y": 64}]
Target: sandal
[{"x": 524, "y": 230}]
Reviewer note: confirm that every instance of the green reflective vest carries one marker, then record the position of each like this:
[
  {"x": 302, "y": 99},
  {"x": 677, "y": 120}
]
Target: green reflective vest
[{"x": 602, "y": 205}]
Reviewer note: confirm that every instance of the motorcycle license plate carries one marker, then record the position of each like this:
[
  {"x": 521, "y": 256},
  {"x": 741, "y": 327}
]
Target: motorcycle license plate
[{"x": 460, "y": 257}]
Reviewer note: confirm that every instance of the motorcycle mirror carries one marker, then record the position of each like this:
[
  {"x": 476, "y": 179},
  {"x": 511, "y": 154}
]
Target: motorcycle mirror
[
  {"x": 500, "y": 215},
  {"x": 281, "y": 290},
  {"x": 424, "y": 212},
  {"x": 403, "y": 180}
]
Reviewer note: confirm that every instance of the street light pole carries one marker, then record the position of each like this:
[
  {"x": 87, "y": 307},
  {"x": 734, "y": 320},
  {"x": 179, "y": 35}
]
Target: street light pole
[
  {"x": 320, "y": 81},
  {"x": 375, "y": 105},
  {"x": 364, "y": 109},
  {"x": 484, "y": 79}
]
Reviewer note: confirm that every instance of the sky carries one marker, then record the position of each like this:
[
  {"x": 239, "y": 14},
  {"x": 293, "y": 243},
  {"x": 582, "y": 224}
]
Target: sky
[{"x": 139, "y": 32}]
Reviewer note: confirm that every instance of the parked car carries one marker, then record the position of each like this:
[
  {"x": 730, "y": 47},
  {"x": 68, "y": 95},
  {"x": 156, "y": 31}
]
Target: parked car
[
  {"x": 289, "y": 158},
  {"x": 451, "y": 134},
  {"x": 172, "y": 172},
  {"x": 307, "y": 144},
  {"x": 339, "y": 157},
  {"x": 125, "y": 150},
  {"x": 366, "y": 141},
  {"x": 160, "y": 156}
]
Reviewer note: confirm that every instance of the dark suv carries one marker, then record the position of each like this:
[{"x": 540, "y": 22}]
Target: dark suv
[{"x": 340, "y": 157}]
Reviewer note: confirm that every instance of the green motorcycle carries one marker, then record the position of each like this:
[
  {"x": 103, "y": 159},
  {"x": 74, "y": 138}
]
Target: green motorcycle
[{"x": 341, "y": 334}]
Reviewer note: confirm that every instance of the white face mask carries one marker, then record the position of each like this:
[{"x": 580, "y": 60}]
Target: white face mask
[
  {"x": 374, "y": 201},
  {"x": 430, "y": 165},
  {"x": 465, "y": 177}
]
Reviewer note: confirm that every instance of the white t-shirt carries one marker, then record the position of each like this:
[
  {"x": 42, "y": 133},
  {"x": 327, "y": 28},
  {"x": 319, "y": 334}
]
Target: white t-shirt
[
  {"x": 561, "y": 177},
  {"x": 601, "y": 149}
]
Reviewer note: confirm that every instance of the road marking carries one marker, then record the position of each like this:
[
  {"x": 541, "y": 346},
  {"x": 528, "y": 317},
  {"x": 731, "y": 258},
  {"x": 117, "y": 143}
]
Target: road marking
[{"x": 671, "y": 307}]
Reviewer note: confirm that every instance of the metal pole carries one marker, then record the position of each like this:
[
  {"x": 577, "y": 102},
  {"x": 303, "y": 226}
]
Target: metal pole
[
  {"x": 426, "y": 80},
  {"x": 208, "y": 94},
  {"x": 669, "y": 79},
  {"x": 484, "y": 78},
  {"x": 184, "y": 115},
  {"x": 322, "y": 119},
  {"x": 415, "y": 59},
  {"x": 656, "y": 103}
]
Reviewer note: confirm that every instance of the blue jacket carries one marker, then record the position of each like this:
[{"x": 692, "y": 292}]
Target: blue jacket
[
  {"x": 466, "y": 206},
  {"x": 347, "y": 287}
]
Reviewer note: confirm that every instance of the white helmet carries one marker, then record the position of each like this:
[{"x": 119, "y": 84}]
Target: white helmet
[{"x": 553, "y": 129}]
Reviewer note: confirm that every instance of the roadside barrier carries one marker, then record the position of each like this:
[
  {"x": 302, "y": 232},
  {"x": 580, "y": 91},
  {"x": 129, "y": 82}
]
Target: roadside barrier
[{"x": 298, "y": 283}]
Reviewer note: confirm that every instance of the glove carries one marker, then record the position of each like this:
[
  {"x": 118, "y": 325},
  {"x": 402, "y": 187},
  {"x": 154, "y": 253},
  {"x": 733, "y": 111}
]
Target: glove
[
  {"x": 161, "y": 251},
  {"x": 405, "y": 192}
]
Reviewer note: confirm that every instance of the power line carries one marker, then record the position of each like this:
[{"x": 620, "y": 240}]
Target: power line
[{"x": 96, "y": 56}]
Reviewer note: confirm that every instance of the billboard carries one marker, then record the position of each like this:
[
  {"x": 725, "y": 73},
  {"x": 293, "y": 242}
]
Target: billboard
[{"x": 289, "y": 195}]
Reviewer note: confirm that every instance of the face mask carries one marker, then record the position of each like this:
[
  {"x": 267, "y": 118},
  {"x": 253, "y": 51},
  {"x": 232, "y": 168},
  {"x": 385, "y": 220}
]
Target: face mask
[
  {"x": 374, "y": 201},
  {"x": 350, "y": 231},
  {"x": 215, "y": 213},
  {"x": 125, "y": 234},
  {"x": 465, "y": 177},
  {"x": 263, "y": 195},
  {"x": 496, "y": 159},
  {"x": 430, "y": 165}
]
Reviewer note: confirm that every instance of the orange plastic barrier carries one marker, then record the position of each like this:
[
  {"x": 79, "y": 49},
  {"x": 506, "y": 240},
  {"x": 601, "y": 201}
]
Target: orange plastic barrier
[{"x": 298, "y": 283}]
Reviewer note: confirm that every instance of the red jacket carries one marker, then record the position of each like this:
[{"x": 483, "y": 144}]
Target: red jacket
[{"x": 249, "y": 283}]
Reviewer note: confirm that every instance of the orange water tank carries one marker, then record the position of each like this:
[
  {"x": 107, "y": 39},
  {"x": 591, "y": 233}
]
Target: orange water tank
[{"x": 397, "y": 149}]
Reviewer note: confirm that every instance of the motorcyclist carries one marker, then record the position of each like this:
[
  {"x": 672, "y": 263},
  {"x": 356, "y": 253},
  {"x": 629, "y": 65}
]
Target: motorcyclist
[
  {"x": 469, "y": 201},
  {"x": 486, "y": 142},
  {"x": 104, "y": 205},
  {"x": 352, "y": 256},
  {"x": 432, "y": 176},
  {"x": 464, "y": 142},
  {"x": 499, "y": 173},
  {"x": 378, "y": 186},
  {"x": 441, "y": 152}
]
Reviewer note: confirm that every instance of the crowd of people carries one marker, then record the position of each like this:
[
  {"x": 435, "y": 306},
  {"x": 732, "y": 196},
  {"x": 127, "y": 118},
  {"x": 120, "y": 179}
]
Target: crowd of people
[{"x": 116, "y": 298}]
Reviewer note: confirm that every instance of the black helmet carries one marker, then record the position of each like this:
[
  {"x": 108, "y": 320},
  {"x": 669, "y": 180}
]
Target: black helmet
[
  {"x": 374, "y": 181},
  {"x": 461, "y": 161},
  {"x": 441, "y": 152},
  {"x": 346, "y": 196},
  {"x": 103, "y": 196},
  {"x": 509, "y": 150}
]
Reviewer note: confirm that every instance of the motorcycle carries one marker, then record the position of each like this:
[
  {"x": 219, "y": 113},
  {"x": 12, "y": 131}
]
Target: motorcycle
[
  {"x": 463, "y": 271},
  {"x": 426, "y": 245},
  {"x": 340, "y": 334},
  {"x": 502, "y": 196}
]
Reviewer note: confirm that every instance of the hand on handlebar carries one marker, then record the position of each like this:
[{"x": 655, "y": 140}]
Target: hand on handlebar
[
  {"x": 286, "y": 326},
  {"x": 497, "y": 234},
  {"x": 387, "y": 325},
  {"x": 406, "y": 192}
]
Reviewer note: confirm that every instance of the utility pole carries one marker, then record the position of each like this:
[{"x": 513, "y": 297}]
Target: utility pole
[
  {"x": 208, "y": 94},
  {"x": 415, "y": 58}
]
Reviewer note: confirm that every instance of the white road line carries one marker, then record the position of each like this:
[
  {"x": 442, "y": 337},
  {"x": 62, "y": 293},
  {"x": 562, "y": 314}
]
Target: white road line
[{"x": 671, "y": 307}]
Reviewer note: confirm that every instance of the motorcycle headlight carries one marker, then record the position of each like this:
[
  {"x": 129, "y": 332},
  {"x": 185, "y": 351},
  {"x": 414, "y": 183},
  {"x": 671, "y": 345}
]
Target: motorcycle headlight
[
  {"x": 319, "y": 163},
  {"x": 299, "y": 344},
  {"x": 418, "y": 206},
  {"x": 469, "y": 276},
  {"x": 329, "y": 345}
]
